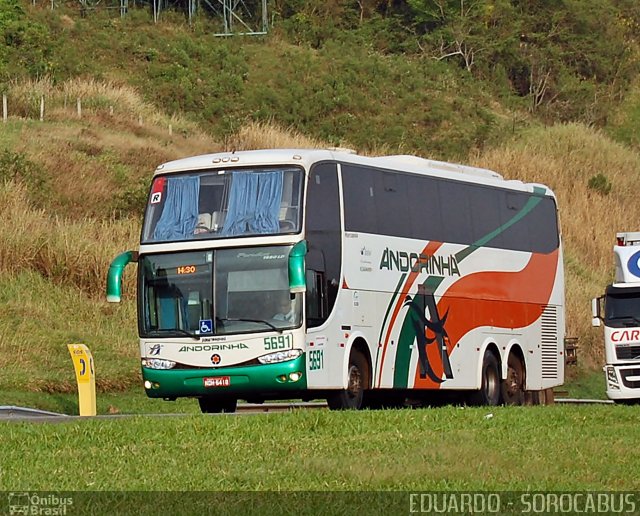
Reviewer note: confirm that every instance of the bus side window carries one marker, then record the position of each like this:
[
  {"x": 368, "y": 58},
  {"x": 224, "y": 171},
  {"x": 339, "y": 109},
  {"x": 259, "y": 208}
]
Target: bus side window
[{"x": 316, "y": 300}]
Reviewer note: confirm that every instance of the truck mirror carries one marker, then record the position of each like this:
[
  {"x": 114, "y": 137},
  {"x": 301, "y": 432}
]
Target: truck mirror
[
  {"x": 297, "y": 281},
  {"x": 114, "y": 276},
  {"x": 595, "y": 312}
]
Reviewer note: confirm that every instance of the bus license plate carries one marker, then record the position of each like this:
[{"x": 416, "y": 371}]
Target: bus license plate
[{"x": 217, "y": 381}]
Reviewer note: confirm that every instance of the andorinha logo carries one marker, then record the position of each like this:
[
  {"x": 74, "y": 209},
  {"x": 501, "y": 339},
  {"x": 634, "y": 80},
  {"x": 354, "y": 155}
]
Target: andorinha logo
[
  {"x": 414, "y": 262},
  {"x": 213, "y": 347},
  {"x": 39, "y": 504}
]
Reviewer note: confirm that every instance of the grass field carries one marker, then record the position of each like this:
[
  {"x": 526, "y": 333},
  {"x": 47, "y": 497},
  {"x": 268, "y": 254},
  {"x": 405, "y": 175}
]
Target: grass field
[{"x": 450, "y": 448}]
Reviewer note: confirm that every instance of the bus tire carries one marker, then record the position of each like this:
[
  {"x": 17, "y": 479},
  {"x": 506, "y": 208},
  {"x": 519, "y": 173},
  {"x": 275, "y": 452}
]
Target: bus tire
[
  {"x": 489, "y": 392},
  {"x": 352, "y": 397},
  {"x": 217, "y": 405},
  {"x": 512, "y": 386}
]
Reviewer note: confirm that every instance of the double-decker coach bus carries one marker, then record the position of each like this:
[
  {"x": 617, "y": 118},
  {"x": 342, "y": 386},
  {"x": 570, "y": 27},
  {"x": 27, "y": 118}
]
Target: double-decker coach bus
[{"x": 282, "y": 274}]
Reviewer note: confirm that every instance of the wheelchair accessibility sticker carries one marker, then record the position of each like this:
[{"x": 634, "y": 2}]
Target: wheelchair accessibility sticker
[{"x": 206, "y": 326}]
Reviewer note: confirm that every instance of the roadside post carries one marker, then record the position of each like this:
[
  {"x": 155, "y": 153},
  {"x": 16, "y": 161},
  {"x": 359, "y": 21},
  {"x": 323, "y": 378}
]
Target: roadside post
[{"x": 85, "y": 377}]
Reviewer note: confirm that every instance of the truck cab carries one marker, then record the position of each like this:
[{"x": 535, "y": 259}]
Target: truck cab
[{"x": 619, "y": 310}]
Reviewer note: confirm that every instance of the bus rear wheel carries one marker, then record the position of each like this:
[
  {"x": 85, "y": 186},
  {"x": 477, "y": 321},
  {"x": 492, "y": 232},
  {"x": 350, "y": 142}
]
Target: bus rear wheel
[
  {"x": 217, "y": 405},
  {"x": 513, "y": 385},
  {"x": 489, "y": 393},
  {"x": 352, "y": 397}
]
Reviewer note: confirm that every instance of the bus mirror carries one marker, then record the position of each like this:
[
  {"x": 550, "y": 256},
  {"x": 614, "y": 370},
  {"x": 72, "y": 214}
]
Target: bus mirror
[
  {"x": 114, "y": 276},
  {"x": 595, "y": 311},
  {"x": 297, "y": 281}
]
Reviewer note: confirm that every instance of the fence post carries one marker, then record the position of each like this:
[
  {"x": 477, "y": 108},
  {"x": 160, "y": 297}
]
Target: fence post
[
  {"x": 42, "y": 108},
  {"x": 170, "y": 130},
  {"x": 4, "y": 108},
  {"x": 79, "y": 107}
]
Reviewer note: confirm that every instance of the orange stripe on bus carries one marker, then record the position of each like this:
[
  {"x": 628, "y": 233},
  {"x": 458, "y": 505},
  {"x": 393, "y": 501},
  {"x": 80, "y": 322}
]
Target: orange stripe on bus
[{"x": 499, "y": 299}]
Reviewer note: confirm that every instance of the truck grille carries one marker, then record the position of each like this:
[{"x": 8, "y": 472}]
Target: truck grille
[
  {"x": 628, "y": 352},
  {"x": 626, "y": 373}
]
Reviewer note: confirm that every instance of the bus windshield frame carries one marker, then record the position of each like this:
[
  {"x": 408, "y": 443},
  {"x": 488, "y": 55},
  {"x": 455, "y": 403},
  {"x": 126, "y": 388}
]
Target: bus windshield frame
[{"x": 217, "y": 292}]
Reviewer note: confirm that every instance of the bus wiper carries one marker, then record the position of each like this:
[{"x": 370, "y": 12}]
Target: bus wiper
[
  {"x": 176, "y": 330},
  {"x": 240, "y": 319}
]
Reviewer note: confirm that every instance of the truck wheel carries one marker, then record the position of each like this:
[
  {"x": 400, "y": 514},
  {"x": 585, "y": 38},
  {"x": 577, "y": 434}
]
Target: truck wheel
[
  {"x": 489, "y": 393},
  {"x": 512, "y": 386},
  {"x": 351, "y": 398},
  {"x": 217, "y": 405}
]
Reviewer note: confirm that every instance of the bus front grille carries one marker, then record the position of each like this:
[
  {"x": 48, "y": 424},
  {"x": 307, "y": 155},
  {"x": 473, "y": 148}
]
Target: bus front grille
[{"x": 628, "y": 352}]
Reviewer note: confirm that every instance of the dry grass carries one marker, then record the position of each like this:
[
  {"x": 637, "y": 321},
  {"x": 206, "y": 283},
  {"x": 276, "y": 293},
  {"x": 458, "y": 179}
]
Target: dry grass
[
  {"x": 257, "y": 135},
  {"x": 93, "y": 159},
  {"x": 96, "y": 98},
  {"x": 74, "y": 253},
  {"x": 565, "y": 157}
]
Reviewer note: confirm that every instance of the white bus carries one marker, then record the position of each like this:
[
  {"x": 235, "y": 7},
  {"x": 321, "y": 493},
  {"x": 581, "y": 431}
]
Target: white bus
[{"x": 310, "y": 274}]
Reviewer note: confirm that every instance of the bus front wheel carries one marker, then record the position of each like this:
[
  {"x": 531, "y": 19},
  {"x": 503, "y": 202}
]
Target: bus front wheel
[
  {"x": 217, "y": 406},
  {"x": 352, "y": 397}
]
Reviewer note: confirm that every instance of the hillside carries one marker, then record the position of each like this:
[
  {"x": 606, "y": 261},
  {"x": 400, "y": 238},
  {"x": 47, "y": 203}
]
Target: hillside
[
  {"x": 440, "y": 78},
  {"x": 72, "y": 186}
]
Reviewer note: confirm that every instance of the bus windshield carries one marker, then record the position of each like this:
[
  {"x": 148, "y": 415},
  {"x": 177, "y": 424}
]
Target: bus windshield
[
  {"x": 223, "y": 203},
  {"x": 221, "y": 292}
]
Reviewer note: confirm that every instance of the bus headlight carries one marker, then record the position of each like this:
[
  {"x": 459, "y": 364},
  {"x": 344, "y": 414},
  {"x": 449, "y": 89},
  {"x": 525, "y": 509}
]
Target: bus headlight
[
  {"x": 280, "y": 356},
  {"x": 158, "y": 363}
]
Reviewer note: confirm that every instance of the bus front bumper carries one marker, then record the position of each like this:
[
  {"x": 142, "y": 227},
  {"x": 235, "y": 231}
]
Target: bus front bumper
[{"x": 253, "y": 380}]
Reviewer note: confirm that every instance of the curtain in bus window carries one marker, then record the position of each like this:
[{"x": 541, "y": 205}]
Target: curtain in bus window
[
  {"x": 254, "y": 203},
  {"x": 180, "y": 212},
  {"x": 268, "y": 202}
]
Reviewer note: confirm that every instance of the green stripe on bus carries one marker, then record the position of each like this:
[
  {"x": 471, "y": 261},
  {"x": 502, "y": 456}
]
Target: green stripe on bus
[
  {"x": 407, "y": 337},
  {"x": 386, "y": 316}
]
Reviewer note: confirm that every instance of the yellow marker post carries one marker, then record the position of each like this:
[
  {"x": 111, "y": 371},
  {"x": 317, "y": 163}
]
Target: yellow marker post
[{"x": 85, "y": 376}]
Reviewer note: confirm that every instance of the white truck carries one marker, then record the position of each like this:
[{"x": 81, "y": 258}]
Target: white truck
[{"x": 619, "y": 309}]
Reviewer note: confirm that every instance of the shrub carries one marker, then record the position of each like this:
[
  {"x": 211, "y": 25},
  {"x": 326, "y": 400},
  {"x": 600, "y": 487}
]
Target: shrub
[
  {"x": 16, "y": 167},
  {"x": 600, "y": 184}
]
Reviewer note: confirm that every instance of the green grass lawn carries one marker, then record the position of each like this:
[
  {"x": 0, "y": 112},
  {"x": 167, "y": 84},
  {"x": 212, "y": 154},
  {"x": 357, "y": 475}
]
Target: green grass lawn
[
  {"x": 450, "y": 448},
  {"x": 129, "y": 402},
  {"x": 582, "y": 383},
  {"x": 314, "y": 461}
]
